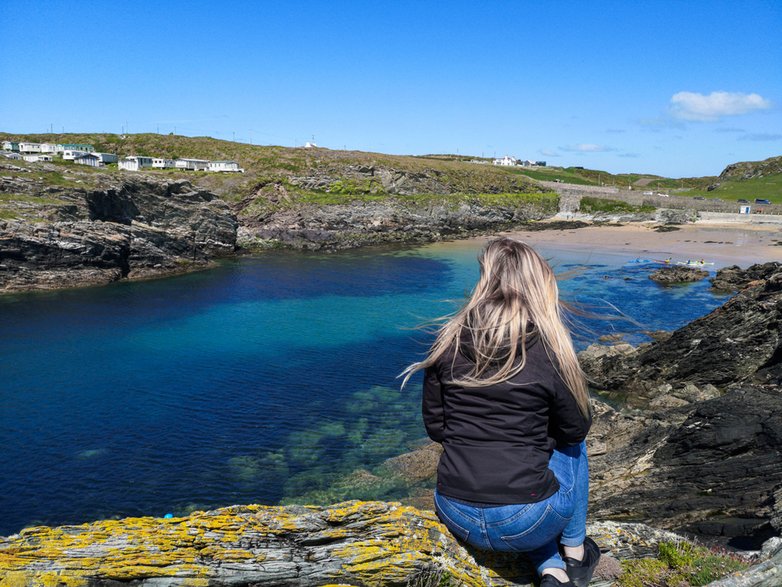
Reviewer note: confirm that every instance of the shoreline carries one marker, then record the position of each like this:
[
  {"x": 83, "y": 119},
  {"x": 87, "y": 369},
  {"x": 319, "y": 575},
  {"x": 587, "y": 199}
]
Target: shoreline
[{"x": 721, "y": 244}]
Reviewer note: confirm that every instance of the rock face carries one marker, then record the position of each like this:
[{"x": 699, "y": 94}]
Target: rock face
[
  {"x": 390, "y": 220},
  {"x": 677, "y": 275},
  {"x": 734, "y": 278},
  {"x": 138, "y": 229},
  {"x": 353, "y": 543},
  {"x": 711, "y": 468},
  {"x": 703, "y": 453},
  {"x": 738, "y": 342}
]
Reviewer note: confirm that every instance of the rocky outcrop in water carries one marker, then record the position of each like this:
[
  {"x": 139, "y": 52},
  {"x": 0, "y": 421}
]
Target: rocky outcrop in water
[
  {"x": 134, "y": 230},
  {"x": 739, "y": 342},
  {"x": 677, "y": 275},
  {"x": 703, "y": 453},
  {"x": 353, "y": 543},
  {"x": 734, "y": 278}
]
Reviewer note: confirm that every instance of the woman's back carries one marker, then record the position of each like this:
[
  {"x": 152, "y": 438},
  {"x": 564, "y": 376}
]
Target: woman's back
[{"x": 498, "y": 438}]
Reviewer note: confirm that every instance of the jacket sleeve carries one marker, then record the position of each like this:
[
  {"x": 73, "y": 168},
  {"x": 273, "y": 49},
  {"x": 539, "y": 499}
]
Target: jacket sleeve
[
  {"x": 567, "y": 425},
  {"x": 432, "y": 405}
]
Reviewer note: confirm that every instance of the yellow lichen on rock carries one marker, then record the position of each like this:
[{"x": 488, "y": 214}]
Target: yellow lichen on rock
[{"x": 360, "y": 543}]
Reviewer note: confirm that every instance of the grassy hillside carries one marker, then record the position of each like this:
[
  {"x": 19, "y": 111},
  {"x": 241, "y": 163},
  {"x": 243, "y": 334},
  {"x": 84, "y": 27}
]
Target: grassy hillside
[
  {"x": 747, "y": 180},
  {"x": 269, "y": 164}
]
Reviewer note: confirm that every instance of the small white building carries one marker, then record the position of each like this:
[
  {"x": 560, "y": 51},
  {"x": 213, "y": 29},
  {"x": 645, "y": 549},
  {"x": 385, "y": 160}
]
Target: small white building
[
  {"x": 96, "y": 159},
  {"x": 35, "y": 157},
  {"x": 10, "y": 146},
  {"x": 135, "y": 163},
  {"x": 506, "y": 161},
  {"x": 71, "y": 154},
  {"x": 83, "y": 147},
  {"x": 11, "y": 155},
  {"x": 48, "y": 148},
  {"x": 192, "y": 164},
  {"x": 159, "y": 163},
  {"x": 90, "y": 159},
  {"x": 29, "y": 147},
  {"x": 106, "y": 157},
  {"x": 229, "y": 166}
]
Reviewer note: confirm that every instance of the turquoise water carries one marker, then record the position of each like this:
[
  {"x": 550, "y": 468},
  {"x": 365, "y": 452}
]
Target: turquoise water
[{"x": 267, "y": 379}]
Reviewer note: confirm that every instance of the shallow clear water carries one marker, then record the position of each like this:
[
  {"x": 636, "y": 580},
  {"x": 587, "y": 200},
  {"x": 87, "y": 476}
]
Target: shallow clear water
[{"x": 266, "y": 379}]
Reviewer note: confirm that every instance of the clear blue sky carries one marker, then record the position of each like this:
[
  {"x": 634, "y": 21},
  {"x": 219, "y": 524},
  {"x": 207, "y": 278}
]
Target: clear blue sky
[{"x": 675, "y": 88}]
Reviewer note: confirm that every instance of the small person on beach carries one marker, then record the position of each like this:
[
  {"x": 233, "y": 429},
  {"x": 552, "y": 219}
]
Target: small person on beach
[{"x": 504, "y": 394}]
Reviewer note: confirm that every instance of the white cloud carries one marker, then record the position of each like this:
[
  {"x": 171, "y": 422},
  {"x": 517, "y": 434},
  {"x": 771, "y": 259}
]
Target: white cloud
[
  {"x": 701, "y": 107},
  {"x": 549, "y": 153},
  {"x": 587, "y": 148}
]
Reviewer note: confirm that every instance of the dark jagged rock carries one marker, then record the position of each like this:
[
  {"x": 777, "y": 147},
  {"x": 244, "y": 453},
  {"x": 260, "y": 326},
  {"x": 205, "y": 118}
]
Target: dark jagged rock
[
  {"x": 138, "y": 229},
  {"x": 739, "y": 341},
  {"x": 677, "y": 275},
  {"x": 711, "y": 468},
  {"x": 705, "y": 452},
  {"x": 734, "y": 278}
]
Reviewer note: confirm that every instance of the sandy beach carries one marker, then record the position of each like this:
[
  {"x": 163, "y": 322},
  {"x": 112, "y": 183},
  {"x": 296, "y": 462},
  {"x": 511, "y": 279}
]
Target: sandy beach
[{"x": 722, "y": 245}]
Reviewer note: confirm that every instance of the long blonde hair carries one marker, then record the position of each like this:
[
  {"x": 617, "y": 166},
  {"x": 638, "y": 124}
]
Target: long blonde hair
[{"x": 516, "y": 295}]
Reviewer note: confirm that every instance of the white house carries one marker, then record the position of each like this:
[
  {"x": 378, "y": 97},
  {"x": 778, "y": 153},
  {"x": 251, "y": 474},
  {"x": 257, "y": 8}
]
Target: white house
[
  {"x": 33, "y": 157},
  {"x": 71, "y": 154},
  {"x": 192, "y": 164},
  {"x": 159, "y": 163},
  {"x": 29, "y": 147},
  {"x": 10, "y": 146},
  {"x": 75, "y": 147},
  {"x": 505, "y": 161},
  {"x": 11, "y": 155},
  {"x": 90, "y": 159},
  {"x": 224, "y": 166},
  {"x": 135, "y": 163},
  {"x": 95, "y": 159},
  {"x": 106, "y": 157},
  {"x": 48, "y": 148}
]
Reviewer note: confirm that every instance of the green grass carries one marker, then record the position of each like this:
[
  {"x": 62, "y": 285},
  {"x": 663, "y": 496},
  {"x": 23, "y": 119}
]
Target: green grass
[
  {"x": 604, "y": 205},
  {"x": 679, "y": 565},
  {"x": 28, "y": 199},
  {"x": 565, "y": 175},
  {"x": 769, "y": 187}
]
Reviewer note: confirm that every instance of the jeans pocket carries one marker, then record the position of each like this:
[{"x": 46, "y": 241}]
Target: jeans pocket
[
  {"x": 535, "y": 530},
  {"x": 443, "y": 509}
]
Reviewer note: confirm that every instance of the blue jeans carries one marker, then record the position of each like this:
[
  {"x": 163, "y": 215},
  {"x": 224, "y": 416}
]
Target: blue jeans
[{"x": 534, "y": 528}]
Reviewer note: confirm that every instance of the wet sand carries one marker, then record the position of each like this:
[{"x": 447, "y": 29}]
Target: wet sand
[{"x": 722, "y": 245}]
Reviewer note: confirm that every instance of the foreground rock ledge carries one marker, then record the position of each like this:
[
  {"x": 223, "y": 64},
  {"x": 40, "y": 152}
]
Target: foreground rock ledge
[{"x": 353, "y": 543}]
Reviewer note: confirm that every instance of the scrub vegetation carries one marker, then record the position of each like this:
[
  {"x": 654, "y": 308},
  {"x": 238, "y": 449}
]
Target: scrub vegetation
[
  {"x": 679, "y": 565},
  {"x": 598, "y": 205}
]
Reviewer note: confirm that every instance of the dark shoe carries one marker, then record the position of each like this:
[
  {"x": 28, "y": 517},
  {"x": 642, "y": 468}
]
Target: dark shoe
[
  {"x": 580, "y": 572},
  {"x": 552, "y": 581}
]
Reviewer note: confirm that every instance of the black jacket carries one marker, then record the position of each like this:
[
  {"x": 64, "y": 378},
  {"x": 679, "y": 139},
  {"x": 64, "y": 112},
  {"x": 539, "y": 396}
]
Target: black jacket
[{"x": 498, "y": 439}]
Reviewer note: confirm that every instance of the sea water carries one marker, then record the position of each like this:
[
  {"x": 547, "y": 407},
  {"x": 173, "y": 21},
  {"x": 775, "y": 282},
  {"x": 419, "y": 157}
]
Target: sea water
[{"x": 269, "y": 379}]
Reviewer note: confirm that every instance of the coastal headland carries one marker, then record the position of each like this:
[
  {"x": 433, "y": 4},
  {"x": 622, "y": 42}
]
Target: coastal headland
[
  {"x": 67, "y": 225},
  {"x": 687, "y": 433}
]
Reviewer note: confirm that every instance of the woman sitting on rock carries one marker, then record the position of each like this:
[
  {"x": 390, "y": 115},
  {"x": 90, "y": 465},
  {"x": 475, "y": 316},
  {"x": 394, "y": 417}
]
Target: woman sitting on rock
[{"x": 504, "y": 394}]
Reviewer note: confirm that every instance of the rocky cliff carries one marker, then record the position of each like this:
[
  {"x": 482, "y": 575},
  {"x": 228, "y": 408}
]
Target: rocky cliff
[
  {"x": 338, "y": 222},
  {"x": 353, "y": 544},
  {"x": 66, "y": 237},
  {"x": 702, "y": 448}
]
